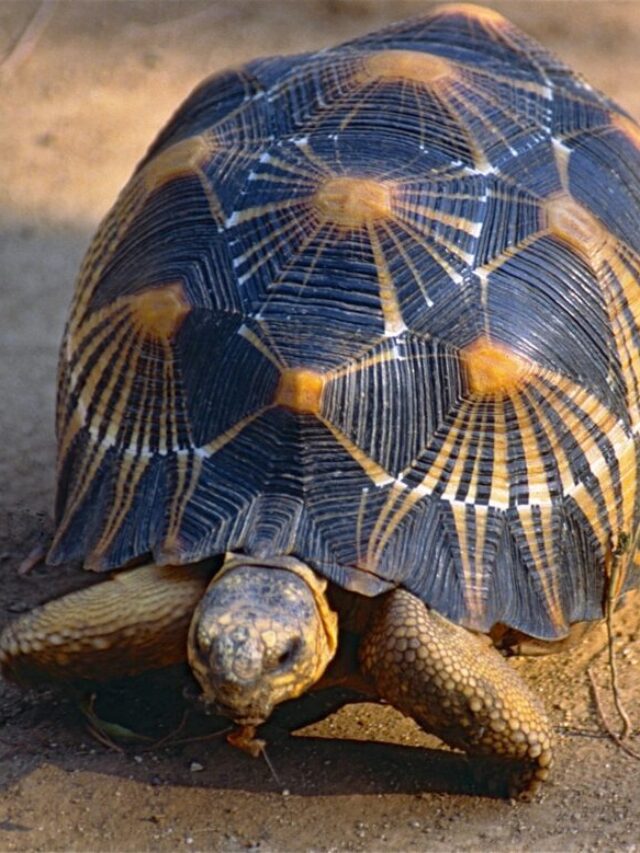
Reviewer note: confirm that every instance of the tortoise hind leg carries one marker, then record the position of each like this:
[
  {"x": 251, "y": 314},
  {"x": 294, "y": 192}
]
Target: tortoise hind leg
[
  {"x": 457, "y": 688},
  {"x": 136, "y": 620}
]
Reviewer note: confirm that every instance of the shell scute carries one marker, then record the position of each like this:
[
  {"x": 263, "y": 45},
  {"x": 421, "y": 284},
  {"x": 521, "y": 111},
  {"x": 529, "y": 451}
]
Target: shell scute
[
  {"x": 225, "y": 379},
  {"x": 402, "y": 380},
  {"x": 613, "y": 192},
  {"x": 532, "y": 312}
]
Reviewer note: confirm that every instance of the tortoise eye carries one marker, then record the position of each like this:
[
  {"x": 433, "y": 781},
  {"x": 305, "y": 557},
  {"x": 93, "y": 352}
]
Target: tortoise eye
[
  {"x": 202, "y": 644},
  {"x": 290, "y": 652}
]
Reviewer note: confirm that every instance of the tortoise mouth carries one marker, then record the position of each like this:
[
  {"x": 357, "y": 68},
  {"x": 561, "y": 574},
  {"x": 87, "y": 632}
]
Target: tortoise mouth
[
  {"x": 238, "y": 719},
  {"x": 241, "y": 717}
]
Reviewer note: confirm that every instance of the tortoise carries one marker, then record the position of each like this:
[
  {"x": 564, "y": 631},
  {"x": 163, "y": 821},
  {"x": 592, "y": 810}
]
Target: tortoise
[{"x": 349, "y": 391}]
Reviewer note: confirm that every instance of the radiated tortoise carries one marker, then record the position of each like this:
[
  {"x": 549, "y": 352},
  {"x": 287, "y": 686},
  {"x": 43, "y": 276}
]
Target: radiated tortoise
[{"x": 356, "y": 354}]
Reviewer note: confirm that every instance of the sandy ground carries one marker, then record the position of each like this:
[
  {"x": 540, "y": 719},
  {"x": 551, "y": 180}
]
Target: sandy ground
[{"x": 81, "y": 99}]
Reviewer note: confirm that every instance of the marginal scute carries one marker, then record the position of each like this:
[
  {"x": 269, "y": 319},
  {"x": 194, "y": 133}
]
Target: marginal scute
[
  {"x": 409, "y": 66},
  {"x": 159, "y": 311},
  {"x": 351, "y": 202},
  {"x": 178, "y": 160},
  {"x": 493, "y": 368},
  {"x": 300, "y": 390},
  {"x": 574, "y": 224}
]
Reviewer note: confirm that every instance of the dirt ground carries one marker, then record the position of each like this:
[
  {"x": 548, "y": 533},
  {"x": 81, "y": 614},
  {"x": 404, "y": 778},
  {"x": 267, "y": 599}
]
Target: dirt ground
[{"x": 85, "y": 85}]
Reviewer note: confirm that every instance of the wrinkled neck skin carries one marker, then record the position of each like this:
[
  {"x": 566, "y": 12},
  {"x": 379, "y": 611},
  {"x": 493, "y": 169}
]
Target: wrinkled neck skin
[{"x": 263, "y": 633}]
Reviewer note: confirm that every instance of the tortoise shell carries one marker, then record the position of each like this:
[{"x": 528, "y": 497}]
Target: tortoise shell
[{"x": 377, "y": 307}]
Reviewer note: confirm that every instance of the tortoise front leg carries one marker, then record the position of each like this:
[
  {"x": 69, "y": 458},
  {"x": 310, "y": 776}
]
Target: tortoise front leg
[
  {"x": 457, "y": 688},
  {"x": 136, "y": 620}
]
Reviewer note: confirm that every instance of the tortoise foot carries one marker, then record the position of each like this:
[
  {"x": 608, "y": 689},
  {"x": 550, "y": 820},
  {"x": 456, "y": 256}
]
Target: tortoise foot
[
  {"x": 135, "y": 621},
  {"x": 458, "y": 688}
]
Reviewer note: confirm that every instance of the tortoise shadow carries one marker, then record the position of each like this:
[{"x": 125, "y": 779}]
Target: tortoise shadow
[{"x": 52, "y": 729}]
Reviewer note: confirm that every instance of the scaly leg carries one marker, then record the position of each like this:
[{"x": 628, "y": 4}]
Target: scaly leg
[
  {"x": 136, "y": 620},
  {"x": 458, "y": 688}
]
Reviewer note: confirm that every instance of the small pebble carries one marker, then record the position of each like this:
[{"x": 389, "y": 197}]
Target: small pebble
[
  {"x": 196, "y": 767},
  {"x": 45, "y": 139}
]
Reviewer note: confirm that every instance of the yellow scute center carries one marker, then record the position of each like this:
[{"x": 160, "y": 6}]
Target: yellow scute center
[
  {"x": 159, "y": 311},
  {"x": 410, "y": 66},
  {"x": 576, "y": 226},
  {"x": 178, "y": 160},
  {"x": 350, "y": 202},
  {"x": 493, "y": 368},
  {"x": 300, "y": 390}
]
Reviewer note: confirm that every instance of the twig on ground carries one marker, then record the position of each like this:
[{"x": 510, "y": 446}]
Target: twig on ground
[
  {"x": 33, "y": 559},
  {"x": 613, "y": 667},
  {"x": 618, "y": 739},
  {"x": 263, "y": 752},
  {"x": 614, "y": 577}
]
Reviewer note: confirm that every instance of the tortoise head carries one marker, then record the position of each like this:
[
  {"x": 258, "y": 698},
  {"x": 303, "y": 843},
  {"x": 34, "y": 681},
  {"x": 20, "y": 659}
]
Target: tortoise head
[{"x": 262, "y": 633}]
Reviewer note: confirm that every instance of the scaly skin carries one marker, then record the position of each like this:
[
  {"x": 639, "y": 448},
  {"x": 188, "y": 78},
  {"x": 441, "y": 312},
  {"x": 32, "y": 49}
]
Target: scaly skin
[
  {"x": 262, "y": 634},
  {"x": 135, "y": 621},
  {"x": 458, "y": 688}
]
